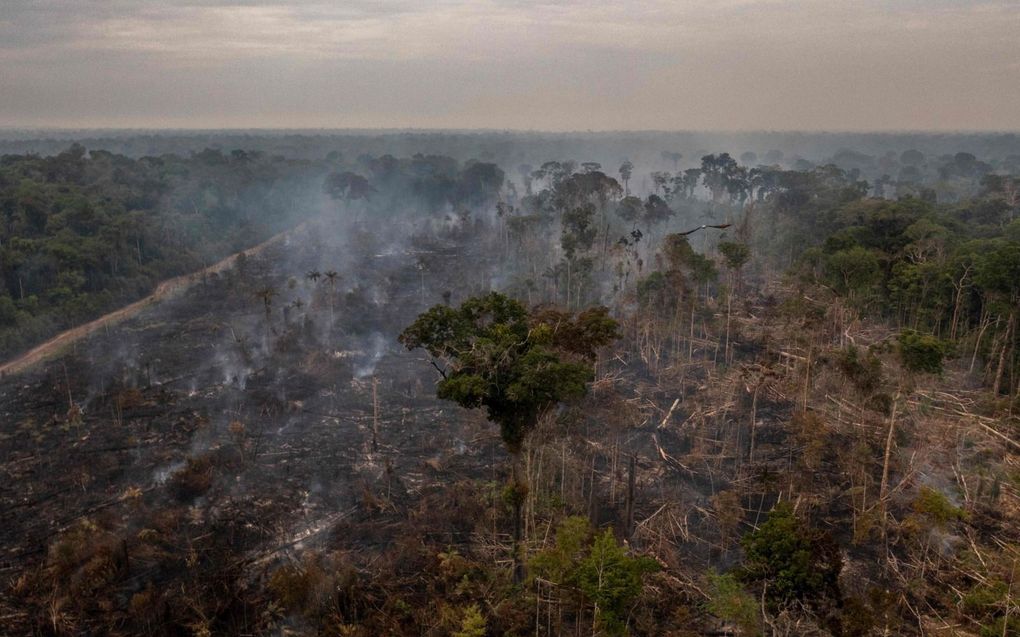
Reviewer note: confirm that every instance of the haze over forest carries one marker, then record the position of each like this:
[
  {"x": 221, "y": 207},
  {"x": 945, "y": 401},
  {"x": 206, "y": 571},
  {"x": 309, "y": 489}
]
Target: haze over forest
[{"x": 509, "y": 317}]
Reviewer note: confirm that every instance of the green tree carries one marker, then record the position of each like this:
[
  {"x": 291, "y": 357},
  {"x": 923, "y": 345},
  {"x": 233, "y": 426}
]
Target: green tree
[
  {"x": 790, "y": 560},
  {"x": 612, "y": 581},
  {"x": 598, "y": 568},
  {"x": 347, "y": 186},
  {"x": 8, "y": 311},
  {"x": 558, "y": 563},
  {"x": 473, "y": 624},
  {"x": 920, "y": 352},
  {"x": 495, "y": 357},
  {"x": 730, "y": 602},
  {"x": 998, "y": 275},
  {"x": 656, "y": 210},
  {"x": 493, "y": 354},
  {"x": 626, "y": 170},
  {"x": 852, "y": 271},
  {"x": 630, "y": 209},
  {"x": 736, "y": 254}
]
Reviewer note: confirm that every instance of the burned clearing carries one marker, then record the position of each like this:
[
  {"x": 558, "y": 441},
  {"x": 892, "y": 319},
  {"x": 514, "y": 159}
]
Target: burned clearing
[
  {"x": 214, "y": 437},
  {"x": 263, "y": 427},
  {"x": 437, "y": 405}
]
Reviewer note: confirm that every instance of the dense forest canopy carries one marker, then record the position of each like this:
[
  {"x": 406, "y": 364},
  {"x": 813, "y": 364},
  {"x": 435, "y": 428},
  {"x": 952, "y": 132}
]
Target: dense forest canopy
[{"x": 86, "y": 231}]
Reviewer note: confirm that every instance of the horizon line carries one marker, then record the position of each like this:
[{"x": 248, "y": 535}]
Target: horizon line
[{"x": 504, "y": 130}]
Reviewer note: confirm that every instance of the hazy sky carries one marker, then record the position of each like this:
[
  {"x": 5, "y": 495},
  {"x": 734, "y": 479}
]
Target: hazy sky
[{"x": 525, "y": 64}]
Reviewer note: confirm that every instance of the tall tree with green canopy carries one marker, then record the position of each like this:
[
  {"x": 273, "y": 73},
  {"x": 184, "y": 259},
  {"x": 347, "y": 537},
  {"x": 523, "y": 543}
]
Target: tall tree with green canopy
[
  {"x": 585, "y": 193},
  {"x": 347, "y": 187},
  {"x": 630, "y": 209},
  {"x": 718, "y": 171},
  {"x": 492, "y": 353},
  {"x": 577, "y": 239},
  {"x": 626, "y": 170}
]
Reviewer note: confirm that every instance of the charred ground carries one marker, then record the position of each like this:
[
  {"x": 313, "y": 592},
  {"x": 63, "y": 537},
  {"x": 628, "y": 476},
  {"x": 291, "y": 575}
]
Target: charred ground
[{"x": 261, "y": 456}]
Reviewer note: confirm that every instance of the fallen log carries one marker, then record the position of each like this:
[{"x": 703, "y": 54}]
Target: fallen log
[{"x": 669, "y": 414}]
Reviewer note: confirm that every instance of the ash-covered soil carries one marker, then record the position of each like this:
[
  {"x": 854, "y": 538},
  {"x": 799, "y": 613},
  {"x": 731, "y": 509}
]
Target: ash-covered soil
[
  {"x": 160, "y": 474},
  {"x": 220, "y": 429}
]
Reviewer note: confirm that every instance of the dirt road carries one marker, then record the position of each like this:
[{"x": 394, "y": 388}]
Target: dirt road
[{"x": 165, "y": 290}]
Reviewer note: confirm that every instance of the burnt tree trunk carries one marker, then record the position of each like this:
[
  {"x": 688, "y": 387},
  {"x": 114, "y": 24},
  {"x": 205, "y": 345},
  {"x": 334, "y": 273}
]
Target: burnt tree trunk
[
  {"x": 997, "y": 384},
  {"x": 518, "y": 494},
  {"x": 631, "y": 477},
  {"x": 883, "y": 491}
]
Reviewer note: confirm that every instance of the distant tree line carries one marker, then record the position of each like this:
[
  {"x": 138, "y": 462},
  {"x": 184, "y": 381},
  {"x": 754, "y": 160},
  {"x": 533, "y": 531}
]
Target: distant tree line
[{"x": 83, "y": 233}]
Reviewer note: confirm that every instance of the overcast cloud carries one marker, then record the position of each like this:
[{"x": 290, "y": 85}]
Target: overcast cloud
[{"x": 526, "y": 64}]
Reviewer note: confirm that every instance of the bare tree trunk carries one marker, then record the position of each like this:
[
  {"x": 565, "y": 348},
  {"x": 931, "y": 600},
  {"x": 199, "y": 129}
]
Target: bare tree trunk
[
  {"x": 883, "y": 488},
  {"x": 1009, "y": 599},
  {"x": 985, "y": 322},
  {"x": 518, "y": 507},
  {"x": 568, "y": 284},
  {"x": 754, "y": 421},
  {"x": 807, "y": 379},
  {"x": 729, "y": 301},
  {"x": 631, "y": 477},
  {"x": 375, "y": 414},
  {"x": 958, "y": 302},
  {"x": 1006, "y": 346},
  {"x": 518, "y": 523},
  {"x": 690, "y": 340},
  {"x": 563, "y": 469},
  {"x": 67, "y": 384},
  {"x": 614, "y": 468}
]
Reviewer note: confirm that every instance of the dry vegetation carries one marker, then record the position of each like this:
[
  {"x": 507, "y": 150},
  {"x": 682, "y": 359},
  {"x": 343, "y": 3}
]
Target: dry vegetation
[{"x": 259, "y": 456}]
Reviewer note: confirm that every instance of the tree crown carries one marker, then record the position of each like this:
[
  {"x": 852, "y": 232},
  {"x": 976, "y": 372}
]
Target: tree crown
[{"x": 493, "y": 353}]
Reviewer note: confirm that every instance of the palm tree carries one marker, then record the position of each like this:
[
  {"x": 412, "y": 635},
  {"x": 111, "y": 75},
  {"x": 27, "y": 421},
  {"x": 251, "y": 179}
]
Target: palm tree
[
  {"x": 313, "y": 276},
  {"x": 266, "y": 294},
  {"x": 331, "y": 277}
]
